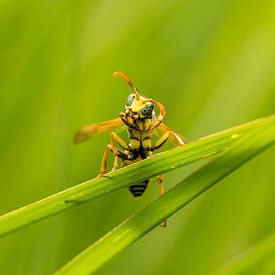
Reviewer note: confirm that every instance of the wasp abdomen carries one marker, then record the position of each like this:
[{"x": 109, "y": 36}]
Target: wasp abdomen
[{"x": 138, "y": 189}]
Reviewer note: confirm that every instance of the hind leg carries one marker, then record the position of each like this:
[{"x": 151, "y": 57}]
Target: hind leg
[{"x": 161, "y": 189}]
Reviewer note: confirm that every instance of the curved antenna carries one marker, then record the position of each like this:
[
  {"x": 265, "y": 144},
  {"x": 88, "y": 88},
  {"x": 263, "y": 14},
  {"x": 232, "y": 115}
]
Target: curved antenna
[{"x": 116, "y": 74}]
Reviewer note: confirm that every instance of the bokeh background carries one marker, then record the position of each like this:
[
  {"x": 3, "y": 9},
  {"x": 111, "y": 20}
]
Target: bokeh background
[{"x": 211, "y": 63}]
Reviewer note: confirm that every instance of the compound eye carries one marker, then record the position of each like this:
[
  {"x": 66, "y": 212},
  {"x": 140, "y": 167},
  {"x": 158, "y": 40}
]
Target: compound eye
[
  {"x": 130, "y": 100},
  {"x": 147, "y": 110}
]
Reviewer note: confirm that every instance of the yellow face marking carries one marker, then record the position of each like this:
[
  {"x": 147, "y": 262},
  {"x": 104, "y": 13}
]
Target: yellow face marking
[{"x": 137, "y": 104}]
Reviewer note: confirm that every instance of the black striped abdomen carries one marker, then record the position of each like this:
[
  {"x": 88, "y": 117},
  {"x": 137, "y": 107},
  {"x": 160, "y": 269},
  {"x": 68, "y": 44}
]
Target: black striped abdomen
[{"x": 138, "y": 189}]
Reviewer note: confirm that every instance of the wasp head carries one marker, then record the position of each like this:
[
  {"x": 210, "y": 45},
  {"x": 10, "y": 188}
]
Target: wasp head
[{"x": 137, "y": 106}]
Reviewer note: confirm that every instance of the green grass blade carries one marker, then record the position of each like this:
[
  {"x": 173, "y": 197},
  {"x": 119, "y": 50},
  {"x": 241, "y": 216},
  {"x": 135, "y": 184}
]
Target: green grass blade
[
  {"x": 145, "y": 220},
  {"x": 257, "y": 259},
  {"x": 123, "y": 177}
]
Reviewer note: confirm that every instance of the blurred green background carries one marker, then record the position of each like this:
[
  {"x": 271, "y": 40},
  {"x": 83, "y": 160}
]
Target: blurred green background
[{"x": 211, "y": 63}]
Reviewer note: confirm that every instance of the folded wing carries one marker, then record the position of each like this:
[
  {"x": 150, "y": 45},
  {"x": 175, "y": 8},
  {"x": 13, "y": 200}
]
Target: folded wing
[
  {"x": 163, "y": 128},
  {"x": 93, "y": 130}
]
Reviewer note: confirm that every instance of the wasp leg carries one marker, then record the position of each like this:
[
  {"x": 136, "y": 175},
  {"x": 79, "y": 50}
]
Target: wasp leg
[
  {"x": 165, "y": 137},
  {"x": 168, "y": 135},
  {"x": 128, "y": 121},
  {"x": 123, "y": 155},
  {"x": 160, "y": 116},
  {"x": 103, "y": 166},
  {"x": 160, "y": 181},
  {"x": 114, "y": 138}
]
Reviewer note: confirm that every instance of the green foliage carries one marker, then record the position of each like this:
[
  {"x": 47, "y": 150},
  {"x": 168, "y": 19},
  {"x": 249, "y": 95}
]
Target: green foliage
[
  {"x": 154, "y": 166},
  {"x": 211, "y": 63},
  {"x": 153, "y": 214}
]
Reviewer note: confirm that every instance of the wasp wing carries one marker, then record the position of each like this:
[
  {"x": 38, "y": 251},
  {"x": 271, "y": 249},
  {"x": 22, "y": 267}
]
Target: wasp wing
[
  {"x": 163, "y": 128},
  {"x": 93, "y": 130}
]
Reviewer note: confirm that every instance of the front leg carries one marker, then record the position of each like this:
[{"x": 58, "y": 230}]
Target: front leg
[
  {"x": 103, "y": 166},
  {"x": 114, "y": 138},
  {"x": 160, "y": 117},
  {"x": 127, "y": 120}
]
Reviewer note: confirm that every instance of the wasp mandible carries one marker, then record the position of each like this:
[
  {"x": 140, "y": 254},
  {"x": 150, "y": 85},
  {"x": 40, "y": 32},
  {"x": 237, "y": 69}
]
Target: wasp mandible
[{"x": 142, "y": 123}]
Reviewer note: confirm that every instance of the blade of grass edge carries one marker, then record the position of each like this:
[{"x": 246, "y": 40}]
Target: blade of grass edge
[
  {"x": 157, "y": 164},
  {"x": 153, "y": 214}
]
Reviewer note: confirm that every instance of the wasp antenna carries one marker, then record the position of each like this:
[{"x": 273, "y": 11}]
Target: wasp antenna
[{"x": 124, "y": 76}]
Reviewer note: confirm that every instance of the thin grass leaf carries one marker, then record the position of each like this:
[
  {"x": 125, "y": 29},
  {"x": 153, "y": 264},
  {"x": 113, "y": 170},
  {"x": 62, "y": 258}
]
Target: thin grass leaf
[
  {"x": 145, "y": 220},
  {"x": 123, "y": 177},
  {"x": 257, "y": 259}
]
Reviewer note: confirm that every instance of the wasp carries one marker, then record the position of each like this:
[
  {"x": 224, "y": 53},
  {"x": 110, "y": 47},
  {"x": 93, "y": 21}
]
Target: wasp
[{"x": 142, "y": 123}]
